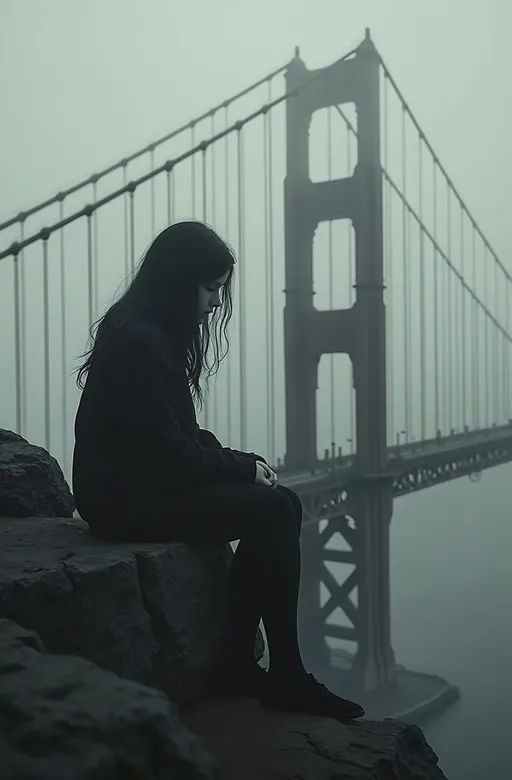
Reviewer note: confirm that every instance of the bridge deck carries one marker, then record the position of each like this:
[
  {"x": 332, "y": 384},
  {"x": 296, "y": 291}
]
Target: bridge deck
[{"x": 418, "y": 465}]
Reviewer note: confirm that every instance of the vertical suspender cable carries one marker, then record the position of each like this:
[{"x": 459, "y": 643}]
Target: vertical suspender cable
[
  {"x": 268, "y": 332},
  {"x": 126, "y": 199},
  {"x": 423, "y": 355},
  {"x": 475, "y": 339},
  {"x": 170, "y": 181},
  {"x": 229, "y": 393},
  {"x": 388, "y": 242},
  {"x": 90, "y": 273},
  {"x": 204, "y": 217},
  {"x": 405, "y": 285},
  {"x": 487, "y": 346},
  {"x": 213, "y": 213},
  {"x": 23, "y": 334},
  {"x": 193, "y": 167},
  {"x": 437, "y": 420},
  {"x": 350, "y": 274},
  {"x": 496, "y": 367},
  {"x": 271, "y": 354},
  {"x": 17, "y": 342},
  {"x": 506, "y": 344},
  {"x": 132, "y": 230},
  {"x": 46, "y": 342},
  {"x": 95, "y": 254},
  {"x": 462, "y": 340},
  {"x": 504, "y": 356},
  {"x": 241, "y": 282},
  {"x": 63, "y": 343},
  {"x": 152, "y": 192},
  {"x": 331, "y": 281},
  {"x": 449, "y": 338}
]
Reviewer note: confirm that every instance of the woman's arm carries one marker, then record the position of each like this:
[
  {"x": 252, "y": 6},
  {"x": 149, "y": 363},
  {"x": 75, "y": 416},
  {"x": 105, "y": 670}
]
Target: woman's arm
[{"x": 208, "y": 439}]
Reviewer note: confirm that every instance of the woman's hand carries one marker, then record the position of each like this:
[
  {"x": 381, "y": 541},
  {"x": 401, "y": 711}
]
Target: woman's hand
[{"x": 265, "y": 475}]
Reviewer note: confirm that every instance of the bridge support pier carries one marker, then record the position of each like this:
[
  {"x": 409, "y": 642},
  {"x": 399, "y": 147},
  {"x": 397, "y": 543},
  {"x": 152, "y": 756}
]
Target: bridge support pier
[{"x": 374, "y": 665}]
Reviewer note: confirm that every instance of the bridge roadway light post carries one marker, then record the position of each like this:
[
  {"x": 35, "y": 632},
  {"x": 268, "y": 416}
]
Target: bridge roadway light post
[{"x": 358, "y": 331}]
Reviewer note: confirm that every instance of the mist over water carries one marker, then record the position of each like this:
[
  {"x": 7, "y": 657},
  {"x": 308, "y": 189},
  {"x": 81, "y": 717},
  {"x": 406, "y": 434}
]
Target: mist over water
[
  {"x": 82, "y": 86},
  {"x": 451, "y": 583}
]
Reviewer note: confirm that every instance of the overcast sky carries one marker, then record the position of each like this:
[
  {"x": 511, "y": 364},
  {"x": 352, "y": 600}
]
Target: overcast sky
[{"x": 82, "y": 84}]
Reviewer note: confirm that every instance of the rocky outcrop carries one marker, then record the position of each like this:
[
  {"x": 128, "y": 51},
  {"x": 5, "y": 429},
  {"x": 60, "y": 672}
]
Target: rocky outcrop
[
  {"x": 31, "y": 481},
  {"x": 254, "y": 744},
  {"x": 153, "y": 613},
  {"x": 63, "y": 717}
]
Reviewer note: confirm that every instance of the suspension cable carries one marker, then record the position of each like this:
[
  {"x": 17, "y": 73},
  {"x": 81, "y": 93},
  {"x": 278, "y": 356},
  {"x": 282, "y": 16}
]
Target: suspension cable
[
  {"x": 447, "y": 260},
  {"x": 124, "y": 162},
  {"x": 16, "y": 247},
  {"x": 442, "y": 169}
]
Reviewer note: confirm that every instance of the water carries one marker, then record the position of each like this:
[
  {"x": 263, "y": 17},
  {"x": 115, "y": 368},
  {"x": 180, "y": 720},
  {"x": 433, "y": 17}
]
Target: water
[{"x": 451, "y": 614}]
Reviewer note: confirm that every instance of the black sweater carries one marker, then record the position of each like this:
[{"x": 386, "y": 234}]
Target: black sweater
[{"x": 136, "y": 432}]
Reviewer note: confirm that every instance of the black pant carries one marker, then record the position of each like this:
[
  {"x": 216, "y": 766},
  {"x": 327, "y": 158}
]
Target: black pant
[{"x": 265, "y": 572}]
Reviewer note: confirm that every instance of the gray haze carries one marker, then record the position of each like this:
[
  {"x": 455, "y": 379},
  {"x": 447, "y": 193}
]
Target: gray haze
[{"x": 82, "y": 85}]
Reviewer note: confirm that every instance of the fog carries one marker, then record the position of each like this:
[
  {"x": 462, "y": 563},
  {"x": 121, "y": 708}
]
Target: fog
[{"x": 84, "y": 85}]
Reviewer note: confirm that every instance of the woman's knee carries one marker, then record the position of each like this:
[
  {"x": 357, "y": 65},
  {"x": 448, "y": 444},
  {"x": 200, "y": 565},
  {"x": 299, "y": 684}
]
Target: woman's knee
[
  {"x": 277, "y": 513},
  {"x": 295, "y": 502}
]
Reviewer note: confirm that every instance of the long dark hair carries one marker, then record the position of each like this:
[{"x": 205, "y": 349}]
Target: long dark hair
[{"x": 165, "y": 290}]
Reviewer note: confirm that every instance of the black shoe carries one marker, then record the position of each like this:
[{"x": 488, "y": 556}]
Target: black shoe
[
  {"x": 244, "y": 680},
  {"x": 305, "y": 694}
]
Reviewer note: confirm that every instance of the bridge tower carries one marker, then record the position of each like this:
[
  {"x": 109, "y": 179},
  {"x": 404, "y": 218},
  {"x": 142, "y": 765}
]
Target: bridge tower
[{"x": 366, "y": 498}]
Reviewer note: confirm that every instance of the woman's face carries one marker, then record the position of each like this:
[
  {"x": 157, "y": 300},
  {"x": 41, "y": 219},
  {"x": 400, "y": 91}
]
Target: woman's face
[{"x": 209, "y": 297}]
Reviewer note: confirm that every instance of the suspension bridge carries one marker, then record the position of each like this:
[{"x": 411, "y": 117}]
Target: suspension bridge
[{"x": 391, "y": 370}]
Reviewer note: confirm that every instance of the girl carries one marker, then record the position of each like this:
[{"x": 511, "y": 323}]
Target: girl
[{"x": 143, "y": 470}]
